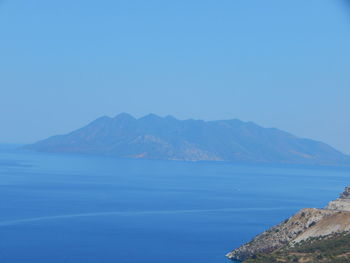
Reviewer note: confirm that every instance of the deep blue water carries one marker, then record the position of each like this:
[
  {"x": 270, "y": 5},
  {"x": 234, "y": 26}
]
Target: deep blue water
[{"x": 88, "y": 209}]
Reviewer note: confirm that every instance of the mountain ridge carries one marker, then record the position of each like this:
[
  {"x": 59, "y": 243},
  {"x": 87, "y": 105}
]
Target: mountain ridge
[{"x": 155, "y": 137}]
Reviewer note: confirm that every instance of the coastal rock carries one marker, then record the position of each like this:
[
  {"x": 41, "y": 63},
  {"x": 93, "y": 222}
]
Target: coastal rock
[
  {"x": 342, "y": 203},
  {"x": 346, "y": 193},
  {"x": 305, "y": 224},
  {"x": 280, "y": 235},
  {"x": 339, "y": 205}
]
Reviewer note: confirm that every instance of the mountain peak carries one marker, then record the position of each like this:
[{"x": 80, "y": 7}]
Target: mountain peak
[
  {"x": 124, "y": 116},
  {"x": 151, "y": 116}
]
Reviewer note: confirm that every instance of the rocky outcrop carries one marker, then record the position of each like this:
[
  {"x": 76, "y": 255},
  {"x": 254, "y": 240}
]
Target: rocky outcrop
[
  {"x": 307, "y": 223},
  {"x": 335, "y": 222},
  {"x": 342, "y": 203},
  {"x": 346, "y": 193}
]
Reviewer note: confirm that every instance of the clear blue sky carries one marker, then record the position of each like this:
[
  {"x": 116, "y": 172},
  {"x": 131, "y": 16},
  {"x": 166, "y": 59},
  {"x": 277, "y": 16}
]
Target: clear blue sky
[{"x": 281, "y": 64}]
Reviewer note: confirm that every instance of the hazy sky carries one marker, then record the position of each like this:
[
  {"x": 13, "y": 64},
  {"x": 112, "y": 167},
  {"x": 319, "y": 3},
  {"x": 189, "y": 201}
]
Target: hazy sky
[{"x": 283, "y": 64}]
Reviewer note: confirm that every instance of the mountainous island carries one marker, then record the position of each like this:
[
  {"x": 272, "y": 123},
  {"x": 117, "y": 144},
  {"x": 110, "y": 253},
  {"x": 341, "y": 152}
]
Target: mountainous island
[
  {"x": 154, "y": 137},
  {"x": 311, "y": 235}
]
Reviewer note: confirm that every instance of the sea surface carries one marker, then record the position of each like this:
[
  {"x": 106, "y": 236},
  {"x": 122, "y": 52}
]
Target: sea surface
[{"x": 89, "y": 209}]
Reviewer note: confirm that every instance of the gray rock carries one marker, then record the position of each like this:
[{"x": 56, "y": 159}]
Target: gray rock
[
  {"x": 346, "y": 193},
  {"x": 307, "y": 223}
]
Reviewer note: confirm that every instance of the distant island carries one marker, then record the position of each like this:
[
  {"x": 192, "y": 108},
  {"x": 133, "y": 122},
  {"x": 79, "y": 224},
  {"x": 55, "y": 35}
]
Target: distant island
[
  {"x": 311, "y": 235},
  {"x": 167, "y": 138}
]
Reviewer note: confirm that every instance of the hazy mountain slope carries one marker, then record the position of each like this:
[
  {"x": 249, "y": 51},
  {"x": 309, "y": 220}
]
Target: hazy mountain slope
[{"x": 168, "y": 138}]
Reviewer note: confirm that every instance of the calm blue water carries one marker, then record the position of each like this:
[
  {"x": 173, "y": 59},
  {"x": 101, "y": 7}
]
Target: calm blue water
[{"x": 71, "y": 209}]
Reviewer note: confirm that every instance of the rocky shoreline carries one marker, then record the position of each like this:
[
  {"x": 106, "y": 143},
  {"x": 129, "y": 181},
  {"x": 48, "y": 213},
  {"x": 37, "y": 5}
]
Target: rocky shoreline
[{"x": 307, "y": 224}]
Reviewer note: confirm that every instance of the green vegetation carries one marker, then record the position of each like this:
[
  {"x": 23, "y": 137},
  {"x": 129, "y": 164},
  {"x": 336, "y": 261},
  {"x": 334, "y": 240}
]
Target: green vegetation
[{"x": 335, "y": 249}]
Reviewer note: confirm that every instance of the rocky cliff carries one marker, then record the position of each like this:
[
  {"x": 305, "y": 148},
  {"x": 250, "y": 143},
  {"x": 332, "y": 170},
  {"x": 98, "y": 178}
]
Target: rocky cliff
[{"x": 306, "y": 225}]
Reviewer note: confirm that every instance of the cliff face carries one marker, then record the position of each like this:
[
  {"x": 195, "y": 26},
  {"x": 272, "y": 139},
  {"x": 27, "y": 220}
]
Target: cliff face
[{"x": 307, "y": 224}]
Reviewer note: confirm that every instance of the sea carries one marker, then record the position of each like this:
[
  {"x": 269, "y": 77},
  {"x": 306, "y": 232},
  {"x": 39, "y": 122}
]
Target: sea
[{"x": 65, "y": 208}]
